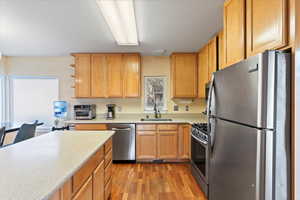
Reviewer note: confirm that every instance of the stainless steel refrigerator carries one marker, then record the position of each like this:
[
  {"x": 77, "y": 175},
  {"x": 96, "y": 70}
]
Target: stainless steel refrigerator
[{"x": 249, "y": 122}]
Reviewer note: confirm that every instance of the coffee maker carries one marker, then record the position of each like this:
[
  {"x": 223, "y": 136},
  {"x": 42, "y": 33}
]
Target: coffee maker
[{"x": 110, "y": 111}]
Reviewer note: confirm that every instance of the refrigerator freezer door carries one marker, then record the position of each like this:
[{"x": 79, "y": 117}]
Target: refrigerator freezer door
[
  {"x": 235, "y": 162},
  {"x": 244, "y": 92}
]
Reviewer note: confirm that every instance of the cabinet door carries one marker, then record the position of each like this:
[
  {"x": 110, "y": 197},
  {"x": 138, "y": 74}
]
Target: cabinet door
[
  {"x": 212, "y": 57},
  {"x": 202, "y": 71},
  {"x": 266, "y": 25},
  {"x": 82, "y": 75},
  {"x": 146, "y": 145},
  {"x": 86, "y": 191},
  {"x": 221, "y": 51},
  {"x": 184, "y": 75},
  {"x": 98, "y": 75},
  {"x": 98, "y": 182},
  {"x": 114, "y": 75},
  {"x": 184, "y": 142},
  {"x": 234, "y": 31},
  {"x": 132, "y": 75},
  {"x": 167, "y": 146}
]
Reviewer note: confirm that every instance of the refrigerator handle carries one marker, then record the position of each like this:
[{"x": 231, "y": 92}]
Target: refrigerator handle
[
  {"x": 210, "y": 117},
  {"x": 210, "y": 95}
]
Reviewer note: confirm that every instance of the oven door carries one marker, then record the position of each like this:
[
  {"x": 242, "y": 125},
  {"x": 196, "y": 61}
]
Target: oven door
[{"x": 199, "y": 154}]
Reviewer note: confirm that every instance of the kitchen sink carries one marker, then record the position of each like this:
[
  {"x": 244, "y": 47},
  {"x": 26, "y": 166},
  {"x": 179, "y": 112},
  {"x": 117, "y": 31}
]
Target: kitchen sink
[{"x": 156, "y": 119}]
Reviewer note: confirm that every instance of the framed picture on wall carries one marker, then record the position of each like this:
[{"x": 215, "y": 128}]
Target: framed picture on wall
[{"x": 155, "y": 93}]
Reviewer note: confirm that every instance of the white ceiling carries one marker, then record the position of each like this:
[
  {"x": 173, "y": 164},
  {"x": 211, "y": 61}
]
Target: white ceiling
[{"x": 59, "y": 27}]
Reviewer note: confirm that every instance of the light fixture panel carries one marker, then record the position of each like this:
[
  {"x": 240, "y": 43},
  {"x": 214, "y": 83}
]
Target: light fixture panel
[{"x": 120, "y": 17}]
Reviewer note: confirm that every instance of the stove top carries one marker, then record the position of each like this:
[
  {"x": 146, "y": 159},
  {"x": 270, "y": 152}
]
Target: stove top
[
  {"x": 201, "y": 126},
  {"x": 200, "y": 131}
]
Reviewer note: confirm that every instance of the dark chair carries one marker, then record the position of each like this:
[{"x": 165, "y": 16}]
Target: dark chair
[
  {"x": 2, "y": 134},
  {"x": 25, "y": 132}
]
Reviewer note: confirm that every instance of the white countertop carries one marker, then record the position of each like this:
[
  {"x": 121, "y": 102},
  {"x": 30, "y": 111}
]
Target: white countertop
[
  {"x": 136, "y": 119},
  {"x": 35, "y": 168}
]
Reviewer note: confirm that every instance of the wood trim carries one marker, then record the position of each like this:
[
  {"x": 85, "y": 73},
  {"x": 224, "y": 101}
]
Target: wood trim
[
  {"x": 91, "y": 127},
  {"x": 291, "y": 21}
]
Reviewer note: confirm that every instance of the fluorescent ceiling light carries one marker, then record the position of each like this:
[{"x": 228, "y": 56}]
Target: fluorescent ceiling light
[{"x": 120, "y": 17}]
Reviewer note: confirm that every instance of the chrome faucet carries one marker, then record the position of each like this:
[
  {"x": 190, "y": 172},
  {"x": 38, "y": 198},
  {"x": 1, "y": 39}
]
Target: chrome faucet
[{"x": 156, "y": 112}]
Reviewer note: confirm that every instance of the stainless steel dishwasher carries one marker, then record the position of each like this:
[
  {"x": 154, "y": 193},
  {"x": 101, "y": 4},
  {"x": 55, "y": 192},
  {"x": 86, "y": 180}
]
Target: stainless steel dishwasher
[{"x": 123, "y": 142}]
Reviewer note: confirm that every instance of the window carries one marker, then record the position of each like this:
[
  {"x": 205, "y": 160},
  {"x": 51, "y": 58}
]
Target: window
[
  {"x": 155, "y": 93},
  {"x": 32, "y": 99}
]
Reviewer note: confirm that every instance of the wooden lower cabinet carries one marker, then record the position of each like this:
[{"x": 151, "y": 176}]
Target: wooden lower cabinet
[
  {"x": 91, "y": 182},
  {"x": 184, "y": 142},
  {"x": 146, "y": 145},
  {"x": 163, "y": 142},
  {"x": 167, "y": 145},
  {"x": 98, "y": 182},
  {"x": 86, "y": 191},
  {"x": 107, "y": 192}
]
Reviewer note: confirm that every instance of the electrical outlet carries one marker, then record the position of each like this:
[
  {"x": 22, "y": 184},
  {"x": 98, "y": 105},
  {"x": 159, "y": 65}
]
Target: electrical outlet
[
  {"x": 119, "y": 108},
  {"x": 187, "y": 108},
  {"x": 176, "y": 108}
]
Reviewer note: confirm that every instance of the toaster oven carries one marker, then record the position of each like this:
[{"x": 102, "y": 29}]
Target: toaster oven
[{"x": 85, "y": 112}]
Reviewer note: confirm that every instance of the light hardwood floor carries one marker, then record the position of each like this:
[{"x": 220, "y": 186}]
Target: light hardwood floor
[{"x": 155, "y": 182}]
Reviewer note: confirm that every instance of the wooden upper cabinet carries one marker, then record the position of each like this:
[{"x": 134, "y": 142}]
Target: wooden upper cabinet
[
  {"x": 266, "y": 25},
  {"x": 202, "y": 71},
  {"x": 212, "y": 57},
  {"x": 98, "y": 75},
  {"x": 221, "y": 52},
  {"x": 114, "y": 75},
  {"x": 82, "y": 75},
  {"x": 234, "y": 31},
  {"x": 132, "y": 75},
  {"x": 184, "y": 75}
]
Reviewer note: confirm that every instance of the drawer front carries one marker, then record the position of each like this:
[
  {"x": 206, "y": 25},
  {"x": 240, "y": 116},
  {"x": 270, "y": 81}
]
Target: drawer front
[
  {"x": 108, "y": 146},
  {"x": 86, "y": 170},
  {"x": 107, "y": 190},
  {"x": 146, "y": 127},
  {"x": 90, "y": 127},
  {"x": 167, "y": 127},
  {"x": 108, "y": 158},
  {"x": 107, "y": 173}
]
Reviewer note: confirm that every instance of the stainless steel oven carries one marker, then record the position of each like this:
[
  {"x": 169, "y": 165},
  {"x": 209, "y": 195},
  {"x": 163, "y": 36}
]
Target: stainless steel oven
[{"x": 200, "y": 155}]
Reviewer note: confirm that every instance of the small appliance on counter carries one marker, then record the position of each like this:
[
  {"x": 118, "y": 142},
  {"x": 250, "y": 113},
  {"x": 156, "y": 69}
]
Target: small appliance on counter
[
  {"x": 60, "y": 109},
  {"x": 85, "y": 112},
  {"x": 110, "y": 111}
]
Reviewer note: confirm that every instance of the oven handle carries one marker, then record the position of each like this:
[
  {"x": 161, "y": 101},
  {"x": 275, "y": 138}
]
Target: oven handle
[
  {"x": 121, "y": 129},
  {"x": 199, "y": 140}
]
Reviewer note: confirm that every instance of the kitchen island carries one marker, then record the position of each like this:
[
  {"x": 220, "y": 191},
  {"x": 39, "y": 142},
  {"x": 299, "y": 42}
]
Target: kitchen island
[{"x": 45, "y": 167}]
